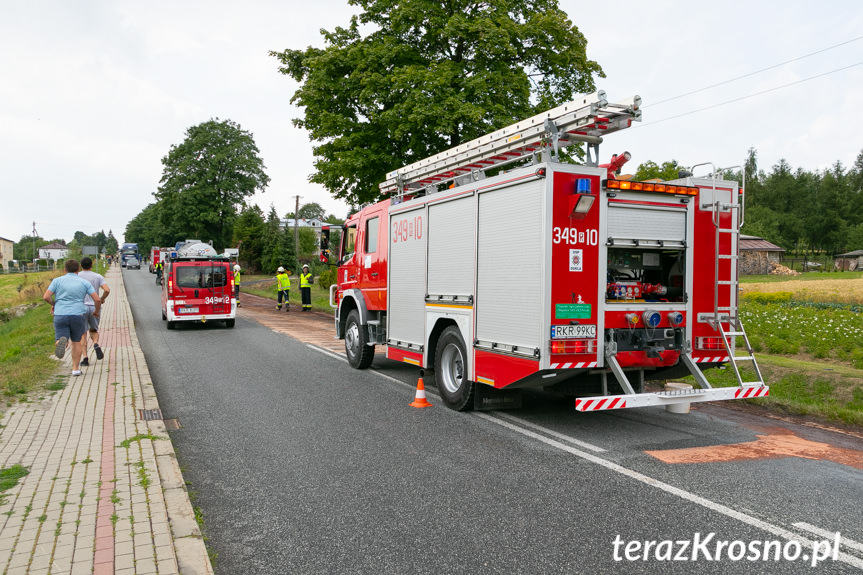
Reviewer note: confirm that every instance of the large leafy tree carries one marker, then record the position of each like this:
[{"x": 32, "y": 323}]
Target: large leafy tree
[
  {"x": 205, "y": 180},
  {"x": 410, "y": 78},
  {"x": 249, "y": 231}
]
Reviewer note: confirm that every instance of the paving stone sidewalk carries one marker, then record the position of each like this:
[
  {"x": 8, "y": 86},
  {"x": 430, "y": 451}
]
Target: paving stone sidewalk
[{"x": 104, "y": 493}]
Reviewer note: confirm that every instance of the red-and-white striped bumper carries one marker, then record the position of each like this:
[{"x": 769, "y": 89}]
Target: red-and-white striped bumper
[
  {"x": 720, "y": 359},
  {"x": 668, "y": 397},
  {"x": 574, "y": 365}
]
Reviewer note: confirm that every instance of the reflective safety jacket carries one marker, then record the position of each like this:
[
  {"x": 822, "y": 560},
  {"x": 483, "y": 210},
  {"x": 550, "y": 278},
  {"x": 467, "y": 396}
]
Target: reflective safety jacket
[
  {"x": 305, "y": 280},
  {"x": 236, "y": 278},
  {"x": 283, "y": 281}
]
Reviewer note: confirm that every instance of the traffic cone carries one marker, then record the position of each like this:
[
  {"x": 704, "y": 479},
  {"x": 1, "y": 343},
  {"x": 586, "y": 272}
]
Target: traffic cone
[{"x": 420, "y": 399}]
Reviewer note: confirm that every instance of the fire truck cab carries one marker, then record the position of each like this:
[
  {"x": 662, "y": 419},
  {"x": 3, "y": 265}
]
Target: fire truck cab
[
  {"x": 197, "y": 286},
  {"x": 548, "y": 274}
]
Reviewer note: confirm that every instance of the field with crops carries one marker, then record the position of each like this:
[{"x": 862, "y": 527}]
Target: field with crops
[{"x": 807, "y": 333}]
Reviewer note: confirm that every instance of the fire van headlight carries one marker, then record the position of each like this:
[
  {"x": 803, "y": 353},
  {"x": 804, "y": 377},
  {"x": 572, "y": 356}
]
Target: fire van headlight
[
  {"x": 675, "y": 318},
  {"x": 651, "y": 318}
]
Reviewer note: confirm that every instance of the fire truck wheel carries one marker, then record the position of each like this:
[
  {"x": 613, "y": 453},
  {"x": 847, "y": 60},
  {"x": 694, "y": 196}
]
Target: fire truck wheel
[
  {"x": 230, "y": 322},
  {"x": 360, "y": 355},
  {"x": 451, "y": 373},
  {"x": 164, "y": 317},
  {"x": 172, "y": 324}
]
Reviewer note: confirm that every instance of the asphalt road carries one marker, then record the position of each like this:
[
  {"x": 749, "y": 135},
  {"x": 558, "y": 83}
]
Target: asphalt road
[{"x": 301, "y": 464}]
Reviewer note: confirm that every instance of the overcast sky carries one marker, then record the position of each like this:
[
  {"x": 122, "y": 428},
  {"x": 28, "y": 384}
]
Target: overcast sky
[{"x": 94, "y": 93}]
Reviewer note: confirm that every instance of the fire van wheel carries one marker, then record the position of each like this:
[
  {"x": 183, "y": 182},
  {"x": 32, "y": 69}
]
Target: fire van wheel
[
  {"x": 360, "y": 355},
  {"x": 172, "y": 324},
  {"x": 230, "y": 322},
  {"x": 451, "y": 373}
]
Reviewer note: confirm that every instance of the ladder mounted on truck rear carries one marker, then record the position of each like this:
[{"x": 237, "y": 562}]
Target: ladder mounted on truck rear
[
  {"x": 723, "y": 314},
  {"x": 583, "y": 120}
]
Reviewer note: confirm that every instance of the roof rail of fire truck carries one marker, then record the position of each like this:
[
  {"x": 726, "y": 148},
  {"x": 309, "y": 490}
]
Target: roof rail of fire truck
[{"x": 585, "y": 119}]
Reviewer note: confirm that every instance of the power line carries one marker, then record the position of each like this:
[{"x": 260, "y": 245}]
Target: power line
[
  {"x": 754, "y": 73},
  {"x": 748, "y": 96}
]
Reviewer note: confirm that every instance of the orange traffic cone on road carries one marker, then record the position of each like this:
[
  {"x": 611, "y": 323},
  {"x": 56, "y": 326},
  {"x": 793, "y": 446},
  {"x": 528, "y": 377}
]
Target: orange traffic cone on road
[{"x": 420, "y": 399}]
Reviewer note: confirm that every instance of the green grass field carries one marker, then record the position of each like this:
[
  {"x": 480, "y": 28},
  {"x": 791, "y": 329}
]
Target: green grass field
[{"x": 26, "y": 342}]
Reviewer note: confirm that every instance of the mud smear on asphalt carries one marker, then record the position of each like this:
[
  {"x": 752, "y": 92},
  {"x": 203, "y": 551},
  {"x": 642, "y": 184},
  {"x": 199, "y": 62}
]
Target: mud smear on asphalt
[{"x": 779, "y": 443}]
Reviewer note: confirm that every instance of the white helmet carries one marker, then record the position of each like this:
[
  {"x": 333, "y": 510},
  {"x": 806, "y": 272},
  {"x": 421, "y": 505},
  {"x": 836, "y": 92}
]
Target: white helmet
[
  {"x": 237, "y": 267},
  {"x": 281, "y": 269},
  {"x": 305, "y": 266}
]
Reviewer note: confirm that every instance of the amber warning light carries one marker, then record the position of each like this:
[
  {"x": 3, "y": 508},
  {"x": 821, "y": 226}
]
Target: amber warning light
[
  {"x": 582, "y": 200},
  {"x": 650, "y": 187}
]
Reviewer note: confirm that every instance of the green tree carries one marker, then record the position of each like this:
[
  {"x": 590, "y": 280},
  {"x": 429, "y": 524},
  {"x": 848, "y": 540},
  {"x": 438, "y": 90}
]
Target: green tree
[
  {"x": 206, "y": 178},
  {"x": 249, "y": 236},
  {"x": 429, "y": 75},
  {"x": 311, "y": 210},
  {"x": 650, "y": 170},
  {"x": 111, "y": 245},
  {"x": 146, "y": 230}
]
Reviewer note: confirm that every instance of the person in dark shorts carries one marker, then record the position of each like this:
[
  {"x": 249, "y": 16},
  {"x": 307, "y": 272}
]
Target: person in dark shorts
[
  {"x": 98, "y": 282},
  {"x": 66, "y": 296}
]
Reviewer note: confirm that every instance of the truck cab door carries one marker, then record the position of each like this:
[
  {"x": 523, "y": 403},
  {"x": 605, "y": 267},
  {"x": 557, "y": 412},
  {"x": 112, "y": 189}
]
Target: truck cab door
[
  {"x": 348, "y": 267},
  {"x": 373, "y": 264}
]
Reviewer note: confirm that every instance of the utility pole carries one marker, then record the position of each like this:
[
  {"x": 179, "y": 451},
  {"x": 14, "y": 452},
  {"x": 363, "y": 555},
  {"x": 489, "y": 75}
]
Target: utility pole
[
  {"x": 297, "y": 226},
  {"x": 34, "y": 244}
]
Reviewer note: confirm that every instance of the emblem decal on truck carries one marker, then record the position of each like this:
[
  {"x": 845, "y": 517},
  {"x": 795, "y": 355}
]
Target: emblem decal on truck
[{"x": 575, "y": 260}]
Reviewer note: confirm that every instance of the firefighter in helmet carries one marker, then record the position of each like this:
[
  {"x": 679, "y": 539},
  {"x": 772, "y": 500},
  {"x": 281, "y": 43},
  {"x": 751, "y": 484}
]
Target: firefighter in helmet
[
  {"x": 306, "y": 282},
  {"x": 237, "y": 271},
  {"x": 283, "y": 284}
]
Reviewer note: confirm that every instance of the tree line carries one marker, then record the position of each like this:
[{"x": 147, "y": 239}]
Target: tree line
[
  {"x": 799, "y": 210},
  {"x": 206, "y": 181},
  {"x": 27, "y": 248}
]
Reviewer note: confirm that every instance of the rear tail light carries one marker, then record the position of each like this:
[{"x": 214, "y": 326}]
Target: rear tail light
[
  {"x": 572, "y": 346},
  {"x": 170, "y": 286},
  {"x": 709, "y": 343}
]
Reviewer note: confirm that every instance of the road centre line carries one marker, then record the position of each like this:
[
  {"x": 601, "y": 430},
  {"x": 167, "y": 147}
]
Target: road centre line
[
  {"x": 850, "y": 543},
  {"x": 508, "y": 422},
  {"x": 697, "y": 499}
]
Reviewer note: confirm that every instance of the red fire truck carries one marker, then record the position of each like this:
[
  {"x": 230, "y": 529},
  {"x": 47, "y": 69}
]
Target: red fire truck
[
  {"x": 155, "y": 257},
  {"x": 548, "y": 274},
  {"x": 198, "y": 286}
]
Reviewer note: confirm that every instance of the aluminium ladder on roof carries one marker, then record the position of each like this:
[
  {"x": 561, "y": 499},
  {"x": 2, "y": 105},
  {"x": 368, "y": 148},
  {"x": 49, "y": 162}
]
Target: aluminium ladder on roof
[{"x": 585, "y": 119}]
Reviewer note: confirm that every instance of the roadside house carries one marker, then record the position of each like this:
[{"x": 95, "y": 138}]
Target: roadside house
[
  {"x": 53, "y": 251},
  {"x": 6, "y": 252}
]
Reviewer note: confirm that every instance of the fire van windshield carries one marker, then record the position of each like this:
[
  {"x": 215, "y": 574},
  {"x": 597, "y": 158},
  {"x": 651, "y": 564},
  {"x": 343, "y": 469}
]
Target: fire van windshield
[
  {"x": 645, "y": 274},
  {"x": 201, "y": 277}
]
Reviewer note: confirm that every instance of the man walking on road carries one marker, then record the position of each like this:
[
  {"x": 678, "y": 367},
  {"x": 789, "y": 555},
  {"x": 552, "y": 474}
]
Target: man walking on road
[
  {"x": 97, "y": 281},
  {"x": 66, "y": 297},
  {"x": 283, "y": 283},
  {"x": 306, "y": 282}
]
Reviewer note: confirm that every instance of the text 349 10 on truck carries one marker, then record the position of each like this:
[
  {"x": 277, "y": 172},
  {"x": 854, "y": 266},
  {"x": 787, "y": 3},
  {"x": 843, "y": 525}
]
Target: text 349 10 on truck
[{"x": 625, "y": 281}]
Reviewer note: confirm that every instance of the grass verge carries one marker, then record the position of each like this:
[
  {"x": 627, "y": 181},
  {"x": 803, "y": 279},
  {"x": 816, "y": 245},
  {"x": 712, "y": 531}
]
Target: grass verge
[
  {"x": 265, "y": 286},
  {"x": 25, "y": 346}
]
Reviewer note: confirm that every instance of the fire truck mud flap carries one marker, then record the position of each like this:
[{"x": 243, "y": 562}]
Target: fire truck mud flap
[{"x": 665, "y": 398}]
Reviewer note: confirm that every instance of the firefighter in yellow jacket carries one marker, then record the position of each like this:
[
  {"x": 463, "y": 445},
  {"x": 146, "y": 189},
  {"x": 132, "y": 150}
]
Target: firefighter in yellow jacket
[
  {"x": 306, "y": 288},
  {"x": 283, "y": 284}
]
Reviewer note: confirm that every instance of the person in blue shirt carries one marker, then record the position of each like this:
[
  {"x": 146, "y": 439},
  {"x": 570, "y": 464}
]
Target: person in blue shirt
[{"x": 66, "y": 296}]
